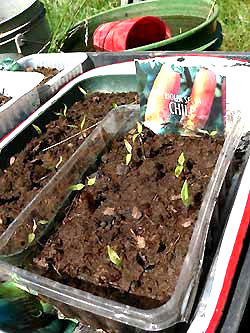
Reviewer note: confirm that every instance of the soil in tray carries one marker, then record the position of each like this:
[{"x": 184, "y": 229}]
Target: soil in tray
[
  {"x": 29, "y": 170},
  {"x": 4, "y": 99},
  {"x": 138, "y": 212},
  {"x": 48, "y": 73}
]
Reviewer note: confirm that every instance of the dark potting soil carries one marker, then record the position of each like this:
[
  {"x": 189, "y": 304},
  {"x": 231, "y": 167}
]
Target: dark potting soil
[
  {"x": 29, "y": 170},
  {"x": 48, "y": 73},
  {"x": 137, "y": 210},
  {"x": 4, "y": 99}
]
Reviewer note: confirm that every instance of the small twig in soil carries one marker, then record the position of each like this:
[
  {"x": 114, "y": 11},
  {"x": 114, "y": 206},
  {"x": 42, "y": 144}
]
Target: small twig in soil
[
  {"x": 41, "y": 179},
  {"x": 98, "y": 240},
  {"x": 149, "y": 219},
  {"x": 172, "y": 246},
  {"x": 70, "y": 137}
]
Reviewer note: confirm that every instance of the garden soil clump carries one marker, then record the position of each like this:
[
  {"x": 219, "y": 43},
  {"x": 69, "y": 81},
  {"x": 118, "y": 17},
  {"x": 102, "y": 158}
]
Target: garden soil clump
[
  {"x": 48, "y": 73},
  {"x": 137, "y": 211},
  {"x": 4, "y": 99},
  {"x": 27, "y": 171}
]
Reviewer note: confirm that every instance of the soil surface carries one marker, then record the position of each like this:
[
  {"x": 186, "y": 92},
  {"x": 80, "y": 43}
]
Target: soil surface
[
  {"x": 137, "y": 210},
  {"x": 48, "y": 73},
  {"x": 28, "y": 171},
  {"x": 4, "y": 99}
]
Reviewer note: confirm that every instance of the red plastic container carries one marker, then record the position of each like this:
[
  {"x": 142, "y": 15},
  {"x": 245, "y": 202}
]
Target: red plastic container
[{"x": 127, "y": 34}]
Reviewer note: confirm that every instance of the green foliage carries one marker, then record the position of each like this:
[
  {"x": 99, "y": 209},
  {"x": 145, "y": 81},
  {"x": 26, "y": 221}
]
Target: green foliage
[
  {"x": 185, "y": 194},
  {"x": 234, "y": 18},
  {"x": 32, "y": 235},
  {"x": 129, "y": 149},
  {"x": 83, "y": 122},
  {"x": 91, "y": 181},
  {"x": 180, "y": 165},
  {"x": 76, "y": 187},
  {"x": 38, "y": 129},
  {"x": 113, "y": 257},
  {"x": 65, "y": 110},
  {"x": 84, "y": 92},
  {"x": 59, "y": 162}
]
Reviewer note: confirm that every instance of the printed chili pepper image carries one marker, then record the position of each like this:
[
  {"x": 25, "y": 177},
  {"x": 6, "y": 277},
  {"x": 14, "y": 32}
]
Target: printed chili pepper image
[
  {"x": 165, "y": 90},
  {"x": 202, "y": 97}
]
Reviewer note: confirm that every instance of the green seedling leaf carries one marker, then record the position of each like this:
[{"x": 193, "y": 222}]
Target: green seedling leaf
[
  {"x": 139, "y": 127},
  {"x": 76, "y": 187},
  {"x": 213, "y": 133},
  {"x": 31, "y": 237},
  {"x": 202, "y": 131},
  {"x": 113, "y": 257},
  {"x": 185, "y": 194},
  {"x": 84, "y": 92},
  {"x": 34, "y": 225},
  {"x": 128, "y": 158},
  {"x": 115, "y": 106},
  {"x": 91, "y": 181},
  {"x": 42, "y": 222},
  {"x": 65, "y": 110},
  {"x": 59, "y": 162},
  {"x": 38, "y": 130},
  {"x": 181, "y": 159},
  {"x": 83, "y": 122},
  {"x": 72, "y": 126},
  {"x": 178, "y": 170},
  {"x": 135, "y": 136},
  {"x": 128, "y": 146}
]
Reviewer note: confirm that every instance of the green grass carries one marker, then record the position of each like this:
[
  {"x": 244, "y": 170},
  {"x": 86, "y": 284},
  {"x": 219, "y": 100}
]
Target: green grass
[
  {"x": 234, "y": 17},
  {"x": 235, "y": 20}
]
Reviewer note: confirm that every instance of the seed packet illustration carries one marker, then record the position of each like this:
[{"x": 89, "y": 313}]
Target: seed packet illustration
[{"x": 186, "y": 100}]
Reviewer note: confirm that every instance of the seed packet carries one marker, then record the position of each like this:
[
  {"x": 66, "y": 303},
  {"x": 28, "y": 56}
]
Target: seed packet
[{"x": 186, "y": 100}]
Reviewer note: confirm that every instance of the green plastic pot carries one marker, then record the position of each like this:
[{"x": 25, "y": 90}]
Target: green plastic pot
[{"x": 188, "y": 21}]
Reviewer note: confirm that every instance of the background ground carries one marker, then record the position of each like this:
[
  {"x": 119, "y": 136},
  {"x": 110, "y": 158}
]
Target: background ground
[{"x": 234, "y": 17}]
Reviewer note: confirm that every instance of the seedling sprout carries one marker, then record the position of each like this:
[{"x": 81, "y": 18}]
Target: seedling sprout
[
  {"x": 129, "y": 149},
  {"x": 91, "y": 181},
  {"x": 38, "y": 129},
  {"x": 59, "y": 162},
  {"x": 84, "y": 92},
  {"x": 180, "y": 165},
  {"x": 185, "y": 194},
  {"x": 113, "y": 257}
]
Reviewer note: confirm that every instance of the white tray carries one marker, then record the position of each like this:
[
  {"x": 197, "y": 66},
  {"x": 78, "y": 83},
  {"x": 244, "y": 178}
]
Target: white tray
[
  {"x": 22, "y": 88},
  {"x": 70, "y": 66}
]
